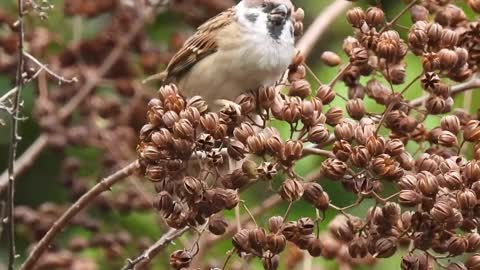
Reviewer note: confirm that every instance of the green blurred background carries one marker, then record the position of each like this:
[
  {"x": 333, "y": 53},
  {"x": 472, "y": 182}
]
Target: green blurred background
[{"x": 41, "y": 182}]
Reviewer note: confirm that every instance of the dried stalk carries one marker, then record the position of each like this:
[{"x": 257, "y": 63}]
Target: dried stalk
[
  {"x": 29, "y": 156},
  {"x": 71, "y": 212},
  {"x": 147, "y": 256},
  {"x": 14, "y": 139}
]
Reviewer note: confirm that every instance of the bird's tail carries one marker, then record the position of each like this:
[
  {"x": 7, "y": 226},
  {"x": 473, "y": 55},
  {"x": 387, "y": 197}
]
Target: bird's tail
[{"x": 162, "y": 76}]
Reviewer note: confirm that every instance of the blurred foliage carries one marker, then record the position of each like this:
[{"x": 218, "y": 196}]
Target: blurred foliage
[{"x": 41, "y": 184}]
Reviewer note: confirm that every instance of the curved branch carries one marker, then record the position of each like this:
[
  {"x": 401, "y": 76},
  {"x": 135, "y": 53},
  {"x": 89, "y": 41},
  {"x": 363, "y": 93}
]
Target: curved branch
[
  {"x": 320, "y": 26},
  {"x": 71, "y": 212},
  {"x": 147, "y": 256},
  {"x": 456, "y": 89}
]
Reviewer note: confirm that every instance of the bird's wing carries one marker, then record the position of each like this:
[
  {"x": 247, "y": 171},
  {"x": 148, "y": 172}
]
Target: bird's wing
[{"x": 200, "y": 45}]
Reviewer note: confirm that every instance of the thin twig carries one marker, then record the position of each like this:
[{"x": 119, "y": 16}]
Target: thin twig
[
  {"x": 60, "y": 79},
  {"x": 313, "y": 150},
  {"x": 71, "y": 212},
  {"x": 34, "y": 150},
  {"x": 153, "y": 250},
  {"x": 14, "y": 139},
  {"x": 394, "y": 20}
]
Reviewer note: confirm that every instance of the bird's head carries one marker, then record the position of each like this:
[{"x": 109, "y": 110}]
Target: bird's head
[{"x": 276, "y": 15}]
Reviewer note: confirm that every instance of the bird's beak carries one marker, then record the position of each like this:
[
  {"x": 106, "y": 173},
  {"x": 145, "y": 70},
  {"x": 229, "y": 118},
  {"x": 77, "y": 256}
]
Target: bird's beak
[{"x": 279, "y": 14}]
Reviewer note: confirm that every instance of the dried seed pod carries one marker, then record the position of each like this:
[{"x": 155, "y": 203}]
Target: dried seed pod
[
  {"x": 473, "y": 262},
  {"x": 357, "y": 248},
  {"x": 376, "y": 145},
  {"x": 358, "y": 56},
  {"x": 447, "y": 139},
  {"x": 318, "y": 134},
  {"x": 375, "y": 17},
  {"x": 344, "y": 130},
  {"x": 385, "y": 247},
  {"x": 257, "y": 239},
  {"x": 256, "y": 144},
  {"x": 331, "y": 59},
  {"x": 473, "y": 240},
  {"x": 360, "y": 156},
  {"x": 333, "y": 168},
  {"x": 217, "y": 224},
  {"x": 448, "y": 59},
  {"x": 449, "y": 38},
  {"x": 441, "y": 211},
  {"x": 427, "y": 183},
  {"x": 291, "y": 190},
  {"x": 163, "y": 202},
  {"x": 266, "y": 97},
  {"x": 356, "y": 17},
  {"x": 409, "y": 198},
  {"x": 276, "y": 243},
  {"x": 271, "y": 262},
  {"x": 315, "y": 247},
  {"x": 199, "y": 103},
  {"x": 276, "y": 146},
  {"x": 293, "y": 150},
  {"x": 434, "y": 32},
  {"x": 325, "y": 94},
  {"x": 334, "y": 115},
  {"x": 314, "y": 194},
  {"x": 183, "y": 129},
  {"x": 356, "y": 108},
  {"x": 457, "y": 245},
  {"x": 466, "y": 199},
  {"x": 306, "y": 225},
  {"x": 409, "y": 262},
  {"x": 471, "y": 131},
  {"x": 180, "y": 259},
  {"x": 342, "y": 150},
  {"x": 395, "y": 147},
  {"x": 300, "y": 88},
  {"x": 241, "y": 240},
  {"x": 471, "y": 172},
  {"x": 474, "y": 5},
  {"x": 419, "y": 13},
  {"x": 450, "y": 123},
  {"x": 275, "y": 223}
]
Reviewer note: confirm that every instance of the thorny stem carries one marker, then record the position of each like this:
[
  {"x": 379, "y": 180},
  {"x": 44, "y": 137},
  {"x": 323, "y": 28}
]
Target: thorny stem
[
  {"x": 71, "y": 212},
  {"x": 153, "y": 250},
  {"x": 14, "y": 139}
]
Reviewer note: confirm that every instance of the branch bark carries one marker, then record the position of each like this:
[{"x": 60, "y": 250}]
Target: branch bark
[
  {"x": 71, "y": 212},
  {"x": 320, "y": 26},
  {"x": 29, "y": 156},
  {"x": 14, "y": 139},
  {"x": 147, "y": 256}
]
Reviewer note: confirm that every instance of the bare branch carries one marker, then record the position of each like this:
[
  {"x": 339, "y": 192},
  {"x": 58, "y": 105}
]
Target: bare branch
[
  {"x": 320, "y": 26},
  {"x": 83, "y": 93},
  {"x": 456, "y": 89},
  {"x": 147, "y": 256},
  {"x": 71, "y": 212},
  {"x": 14, "y": 139},
  {"x": 60, "y": 79}
]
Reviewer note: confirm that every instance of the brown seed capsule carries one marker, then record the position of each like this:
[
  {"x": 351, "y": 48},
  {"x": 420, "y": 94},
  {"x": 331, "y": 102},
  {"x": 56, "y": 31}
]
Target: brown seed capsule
[
  {"x": 256, "y": 144},
  {"x": 356, "y": 108},
  {"x": 409, "y": 262},
  {"x": 217, "y": 225},
  {"x": 314, "y": 194},
  {"x": 315, "y": 247},
  {"x": 385, "y": 247},
  {"x": 441, "y": 211},
  {"x": 199, "y": 103},
  {"x": 471, "y": 172},
  {"x": 434, "y": 32},
  {"x": 376, "y": 145},
  {"x": 356, "y": 17},
  {"x": 473, "y": 262},
  {"x": 466, "y": 199},
  {"x": 192, "y": 185},
  {"x": 276, "y": 243},
  {"x": 450, "y": 123},
  {"x": 226, "y": 198},
  {"x": 210, "y": 122},
  {"x": 306, "y": 225},
  {"x": 474, "y": 5},
  {"x": 318, "y": 134},
  {"x": 241, "y": 240},
  {"x": 325, "y": 94},
  {"x": 257, "y": 239},
  {"x": 449, "y": 38},
  {"x": 471, "y": 131},
  {"x": 180, "y": 259},
  {"x": 453, "y": 180},
  {"x": 342, "y": 150},
  {"x": 409, "y": 198},
  {"x": 331, "y": 59},
  {"x": 334, "y": 168},
  {"x": 183, "y": 129},
  {"x": 266, "y": 97},
  {"x": 293, "y": 150},
  {"x": 163, "y": 202},
  {"x": 395, "y": 147},
  {"x": 291, "y": 190},
  {"x": 334, "y": 115},
  {"x": 448, "y": 59},
  {"x": 300, "y": 88},
  {"x": 375, "y": 17},
  {"x": 344, "y": 130},
  {"x": 427, "y": 183},
  {"x": 419, "y": 13},
  {"x": 276, "y": 146},
  {"x": 360, "y": 156},
  {"x": 271, "y": 262},
  {"x": 275, "y": 223},
  {"x": 359, "y": 56},
  {"x": 447, "y": 139},
  {"x": 357, "y": 248},
  {"x": 457, "y": 245}
]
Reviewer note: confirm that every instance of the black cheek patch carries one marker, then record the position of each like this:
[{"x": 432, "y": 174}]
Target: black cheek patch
[
  {"x": 251, "y": 17},
  {"x": 275, "y": 30}
]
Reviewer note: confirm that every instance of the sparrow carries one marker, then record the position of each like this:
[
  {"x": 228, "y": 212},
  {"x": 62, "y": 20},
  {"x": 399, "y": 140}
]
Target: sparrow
[{"x": 243, "y": 48}]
